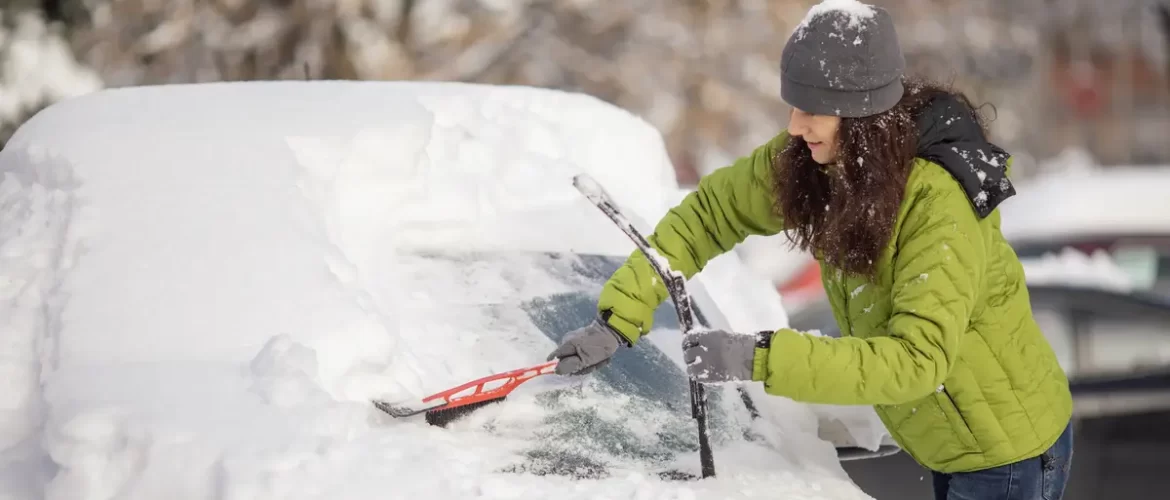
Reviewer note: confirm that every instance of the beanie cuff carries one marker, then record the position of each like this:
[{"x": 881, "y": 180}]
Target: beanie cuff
[{"x": 843, "y": 103}]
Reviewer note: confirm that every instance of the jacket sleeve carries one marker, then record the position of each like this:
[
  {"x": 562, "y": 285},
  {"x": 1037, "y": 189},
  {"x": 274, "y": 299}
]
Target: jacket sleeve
[
  {"x": 728, "y": 205},
  {"x": 938, "y": 265}
]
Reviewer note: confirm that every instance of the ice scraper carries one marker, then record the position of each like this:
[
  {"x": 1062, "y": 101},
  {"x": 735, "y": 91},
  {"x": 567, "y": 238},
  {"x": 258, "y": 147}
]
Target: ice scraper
[{"x": 444, "y": 406}]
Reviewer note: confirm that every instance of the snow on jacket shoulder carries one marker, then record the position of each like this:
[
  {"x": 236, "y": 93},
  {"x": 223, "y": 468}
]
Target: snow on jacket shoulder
[{"x": 942, "y": 342}]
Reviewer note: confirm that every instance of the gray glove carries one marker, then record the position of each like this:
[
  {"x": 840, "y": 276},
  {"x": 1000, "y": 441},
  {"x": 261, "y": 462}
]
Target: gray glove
[
  {"x": 719, "y": 356},
  {"x": 587, "y": 348}
]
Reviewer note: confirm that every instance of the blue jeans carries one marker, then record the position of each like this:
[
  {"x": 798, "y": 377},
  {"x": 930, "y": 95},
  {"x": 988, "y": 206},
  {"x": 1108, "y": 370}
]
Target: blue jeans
[{"x": 1039, "y": 478}]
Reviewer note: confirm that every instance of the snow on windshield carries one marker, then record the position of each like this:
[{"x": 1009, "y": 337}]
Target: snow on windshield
[{"x": 202, "y": 293}]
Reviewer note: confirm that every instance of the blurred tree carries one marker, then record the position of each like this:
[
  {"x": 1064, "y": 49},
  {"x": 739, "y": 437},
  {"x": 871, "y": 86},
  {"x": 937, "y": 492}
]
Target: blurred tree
[
  {"x": 702, "y": 72},
  {"x": 1163, "y": 13},
  {"x": 37, "y": 67}
]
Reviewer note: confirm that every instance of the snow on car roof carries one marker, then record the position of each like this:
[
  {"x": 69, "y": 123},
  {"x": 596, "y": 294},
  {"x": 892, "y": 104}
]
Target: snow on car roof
[
  {"x": 1102, "y": 201},
  {"x": 429, "y": 143},
  {"x": 203, "y": 289}
]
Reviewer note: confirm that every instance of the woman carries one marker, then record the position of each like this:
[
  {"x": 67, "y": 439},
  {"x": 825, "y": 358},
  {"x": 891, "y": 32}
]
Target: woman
[{"x": 893, "y": 186}]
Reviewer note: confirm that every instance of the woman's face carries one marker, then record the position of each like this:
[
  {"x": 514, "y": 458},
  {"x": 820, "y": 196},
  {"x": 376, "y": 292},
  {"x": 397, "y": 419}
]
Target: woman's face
[{"x": 818, "y": 131}]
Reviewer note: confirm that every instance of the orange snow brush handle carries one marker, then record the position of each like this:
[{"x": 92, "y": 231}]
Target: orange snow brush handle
[
  {"x": 483, "y": 390},
  {"x": 507, "y": 382}
]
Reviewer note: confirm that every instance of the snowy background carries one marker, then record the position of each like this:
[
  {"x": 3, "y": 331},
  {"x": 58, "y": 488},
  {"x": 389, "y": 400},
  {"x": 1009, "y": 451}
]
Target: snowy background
[
  {"x": 1080, "y": 74},
  {"x": 1081, "y": 95}
]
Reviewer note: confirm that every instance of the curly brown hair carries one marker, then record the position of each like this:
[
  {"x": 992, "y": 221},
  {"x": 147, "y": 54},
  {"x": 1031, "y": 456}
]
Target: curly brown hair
[{"x": 844, "y": 213}]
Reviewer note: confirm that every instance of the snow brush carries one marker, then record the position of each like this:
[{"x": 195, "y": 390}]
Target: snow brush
[
  {"x": 676, "y": 286},
  {"x": 444, "y": 407}
]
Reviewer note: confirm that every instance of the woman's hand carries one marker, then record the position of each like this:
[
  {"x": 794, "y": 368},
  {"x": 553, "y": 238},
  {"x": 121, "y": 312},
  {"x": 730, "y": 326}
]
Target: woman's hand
[
  {"x": 719, "y": 356},
  {"x": 586, "y": 349}
]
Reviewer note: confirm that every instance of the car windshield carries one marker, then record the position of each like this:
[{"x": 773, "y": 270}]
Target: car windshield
[{"x": 633, "y": 413}]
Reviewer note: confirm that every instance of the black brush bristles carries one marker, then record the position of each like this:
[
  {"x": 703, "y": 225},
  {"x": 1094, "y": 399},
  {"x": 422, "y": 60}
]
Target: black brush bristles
[{"x": 442, "y": 417}]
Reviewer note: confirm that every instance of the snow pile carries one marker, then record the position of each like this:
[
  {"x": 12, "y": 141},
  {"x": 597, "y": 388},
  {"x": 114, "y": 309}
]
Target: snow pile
[
  {"x": 37, "y": 68},
  {"x": 38, "y": 244},
  {"x": 201, "y": 296},
  {"x": 855, "y": 11},
  {"x": 1073, "y": 268}
]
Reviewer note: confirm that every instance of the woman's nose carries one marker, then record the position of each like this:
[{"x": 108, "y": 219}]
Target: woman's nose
[{"x": 797, "y": 125}]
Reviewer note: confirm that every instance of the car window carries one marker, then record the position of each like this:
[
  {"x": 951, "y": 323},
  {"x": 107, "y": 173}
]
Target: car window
[
  {"x": 1103, "y": 333},
  {"x": 817, "y": 315},
  {"x": 636, "y": 410},
  {"x": 1125, "y": 345},
  {"x": 1056, "y": 327},
  {"x": 1161, "y": 285}
]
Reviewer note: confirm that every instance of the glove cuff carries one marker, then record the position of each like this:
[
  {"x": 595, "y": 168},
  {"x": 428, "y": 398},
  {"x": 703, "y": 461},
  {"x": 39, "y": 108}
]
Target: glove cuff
[
  {"x": 764, "y": 339},
  {"x": 603, "y": 320},
  {"x": 763, "y": 347}
]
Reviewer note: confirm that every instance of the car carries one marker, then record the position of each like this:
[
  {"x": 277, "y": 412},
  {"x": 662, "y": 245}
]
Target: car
[
  {"x": 217, "y": 279},
  {"x": 1118, "y": 212},
  {"x": 1114, "y": 345}
]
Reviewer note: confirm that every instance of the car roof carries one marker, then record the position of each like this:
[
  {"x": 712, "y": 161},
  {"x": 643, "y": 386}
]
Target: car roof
[
  {"x": 116, "y": 133},
  {"x": 1122, "y": 200}
]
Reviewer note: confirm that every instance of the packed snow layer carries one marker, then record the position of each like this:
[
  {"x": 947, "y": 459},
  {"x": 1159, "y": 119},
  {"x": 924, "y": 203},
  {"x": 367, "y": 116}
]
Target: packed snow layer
[
  {"x": 203, "y": 286},
  {"x": 1087, "y": 203},
  {"x": 853, "y": 12}
]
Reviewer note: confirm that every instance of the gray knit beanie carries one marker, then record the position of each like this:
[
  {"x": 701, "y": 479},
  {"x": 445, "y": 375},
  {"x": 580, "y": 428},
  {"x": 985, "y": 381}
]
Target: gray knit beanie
[{"x": 843, "y": 60}]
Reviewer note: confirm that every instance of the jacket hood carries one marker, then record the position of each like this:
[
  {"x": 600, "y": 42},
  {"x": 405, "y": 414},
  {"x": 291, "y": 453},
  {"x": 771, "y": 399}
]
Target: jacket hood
[{"x": 950, "y": 136}]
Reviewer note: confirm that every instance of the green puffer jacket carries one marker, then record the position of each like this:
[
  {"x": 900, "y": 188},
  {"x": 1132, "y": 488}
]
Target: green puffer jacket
[{"x": 942, "y": 343}]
